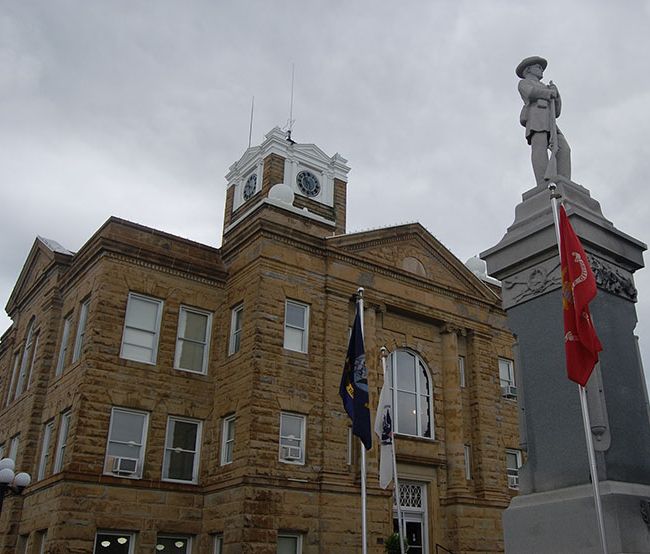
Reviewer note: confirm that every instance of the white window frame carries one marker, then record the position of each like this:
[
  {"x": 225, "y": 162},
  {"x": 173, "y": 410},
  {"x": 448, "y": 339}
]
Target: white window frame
[
  {"x": 414, "y": 513},
  {"x": 63, "y": 349},
  {"x": 81, "y": 330},
  {"x": 510, "y": 369},
  {"x": 467, "y": 458},
  {"x": 128, "y": 534},
  {"x": 62, "y": 441},
  {"x": 302, "y": 439},
  {"x": 48, "y": 431},
  {"x": 13, "y": 447},
  {"x": 304, "y": 346},
  {"x": 172, "y": 537},
  {"x": 236, "y": 325},
  {"x": 228, "y": 439},
  {"x": 29, "y": 350},
  {"x": 108, "y": 462},
  {"x": 297, "y": 536},
  {"x": 419, "y": 393},
  {"x": 41, "y": 538},
  {"x": 155, "y": 332},
  {"x": 171, "y": 420},
  {"x": 14, "y": 376},
  {"x": 512, "y": 472},
  {"x": 462, "y": 375},
  {"x": 182, "y": 318},
  {"x": 218, "y": 543}
]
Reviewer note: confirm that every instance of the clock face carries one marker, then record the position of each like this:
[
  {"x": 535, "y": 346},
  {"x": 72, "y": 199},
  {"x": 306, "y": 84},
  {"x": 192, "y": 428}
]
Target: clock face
[
  {"x": 250, "y": 186},
  {"x": 308, "y": 183}
]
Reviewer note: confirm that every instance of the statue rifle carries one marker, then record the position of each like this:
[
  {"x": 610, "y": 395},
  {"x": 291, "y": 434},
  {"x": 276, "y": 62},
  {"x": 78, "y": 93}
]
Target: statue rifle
[{"x": 551, "y": 169}]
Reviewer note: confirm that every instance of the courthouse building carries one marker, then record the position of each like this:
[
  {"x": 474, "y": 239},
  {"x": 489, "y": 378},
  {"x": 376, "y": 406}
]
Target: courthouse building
[{"x": 168, "y": 396}]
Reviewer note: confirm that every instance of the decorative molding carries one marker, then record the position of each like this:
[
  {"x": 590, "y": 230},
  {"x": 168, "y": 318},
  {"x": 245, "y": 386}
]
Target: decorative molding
[
  {"x": 530, "y": 283},
  {"x": 613, "y": 279}
]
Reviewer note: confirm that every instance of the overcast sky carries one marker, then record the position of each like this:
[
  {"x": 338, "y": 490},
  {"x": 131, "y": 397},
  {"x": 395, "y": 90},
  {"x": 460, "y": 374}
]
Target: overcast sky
[{"x": 137, "y": 109}]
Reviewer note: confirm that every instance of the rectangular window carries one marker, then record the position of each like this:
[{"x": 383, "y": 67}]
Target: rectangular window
[
  {"x": 141, "y": 329},
  {"x": 48, "y": 429},
  {"x": 174, "y": 544},
  {"x": 40, "y": 539},
  {"x": 21, "y": 545},
  {"x": 2, "y": 450},
  {"x": 181, "y": 461},
  {"x": 218, "y": 544},
  {"x": 227, "y": 439},
  {"x": 13, "y": 447},
  {"x": 62, "y": 442},
  {"x": 350, "y": 447},
  {"x": 81, "y": 330},
  {"x": 63, "y": 349},
  {"x": 24, "y": 376},
  {"x": 513, "y": 463},
  {"x": 289, "y": 543},
  {"x": 507, "y": 378},
  {"x": 296, "y": 326},
  {"x": 468, "y": 461},
  {"x": 14, "y": 376},
  {"x": 114, "y": 542},
  {"x": 127, "y": 437},
  {"x": 236, "y": 320},
  {"x": 461, "y": 372},
  {"x": 292, "y": 438},
  {"x": 192, "y": 342}
]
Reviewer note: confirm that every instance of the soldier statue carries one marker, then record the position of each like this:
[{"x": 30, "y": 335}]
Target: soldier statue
[{"x": 542, "y": 105}]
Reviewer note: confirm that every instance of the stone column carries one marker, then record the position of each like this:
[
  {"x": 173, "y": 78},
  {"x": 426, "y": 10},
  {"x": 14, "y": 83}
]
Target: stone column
[
  {"x": 555, "y": 512},
  {"x": 453, "y": 410}
]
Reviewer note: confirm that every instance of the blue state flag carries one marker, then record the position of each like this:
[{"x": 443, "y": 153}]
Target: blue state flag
[{"x": 354, "y": 385}]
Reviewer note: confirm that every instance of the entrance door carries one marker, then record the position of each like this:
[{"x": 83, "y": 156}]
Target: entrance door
[{"x": 414, "y": 513}]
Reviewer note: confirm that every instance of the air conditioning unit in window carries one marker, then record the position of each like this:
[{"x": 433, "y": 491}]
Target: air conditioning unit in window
[
  {"x": 291, "y": 453},
  {"x": 509, "y": 391},
  {"x": 513, "y": 481},
  {"x": 125, "y": 466}
]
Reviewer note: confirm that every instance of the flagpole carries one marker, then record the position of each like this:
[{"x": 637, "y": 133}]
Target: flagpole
[
  {"x": 555, "y": 196},
  {"x": 396, "y": 492},
  {"x": 364, "y": 542}
]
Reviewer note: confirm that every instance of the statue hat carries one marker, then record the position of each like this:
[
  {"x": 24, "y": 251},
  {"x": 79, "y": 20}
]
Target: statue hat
[{"x": 529, "y": 61}]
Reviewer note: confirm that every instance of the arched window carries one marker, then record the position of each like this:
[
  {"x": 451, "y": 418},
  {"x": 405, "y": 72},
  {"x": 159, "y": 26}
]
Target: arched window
[{"x": 412, "y": 391}]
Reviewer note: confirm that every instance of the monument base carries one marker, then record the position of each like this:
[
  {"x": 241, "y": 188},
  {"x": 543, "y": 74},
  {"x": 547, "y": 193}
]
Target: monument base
[{"x": 563, "y": 521}]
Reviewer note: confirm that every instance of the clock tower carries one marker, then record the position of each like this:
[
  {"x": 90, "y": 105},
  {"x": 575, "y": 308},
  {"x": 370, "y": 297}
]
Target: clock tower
[{"x": 298, "y": 180}]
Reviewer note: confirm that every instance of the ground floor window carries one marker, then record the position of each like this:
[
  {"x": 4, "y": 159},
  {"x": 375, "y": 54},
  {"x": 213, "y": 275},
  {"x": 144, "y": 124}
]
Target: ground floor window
[
  {"x": 413, "y": 502},
  {"x": 114, "y": 542},
  {"x": 176, "y": 545}
]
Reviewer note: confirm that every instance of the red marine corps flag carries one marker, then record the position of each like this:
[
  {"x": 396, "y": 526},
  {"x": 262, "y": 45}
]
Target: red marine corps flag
[{"x": 578, "y": 289}]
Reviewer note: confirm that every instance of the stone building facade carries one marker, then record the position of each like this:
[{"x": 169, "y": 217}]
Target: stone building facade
[{"x": 167, "y": 396}]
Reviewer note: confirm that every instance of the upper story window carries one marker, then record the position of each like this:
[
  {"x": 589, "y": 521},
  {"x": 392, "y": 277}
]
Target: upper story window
[
  {"x": 14, "y": 377},
  {"x": 513, "y": 463},
  {"x": 507, "y": 378},
  {"x": 467, "y": 458},
  {"x": 218, "y": 544},
  {"x": 236, "y": 320},
  {"x": 182, "y": 444},
  {"x": 127, "y": 436},
  {"x": 13, "y": 447},
  {"x": 462, "y": 377},
  {"x": 62, "y": 442},
  {"x": 141, "y": 329},
  {"x": 2, "y": 450},
  {"x": 63, "y": 349},
  {"x": 296, "y": 326},
  {"x": 412, "y": 392},
  {"x": 81, "y": 330},
  {"x": 48, "y": 429},
  {"x": 227, "y": 440},
  {"x": 289, "y": 543},
  {"x": 192, "y": 342},
  {"x": 292, "y": 438},
  {"x": 24, "y": 375}
]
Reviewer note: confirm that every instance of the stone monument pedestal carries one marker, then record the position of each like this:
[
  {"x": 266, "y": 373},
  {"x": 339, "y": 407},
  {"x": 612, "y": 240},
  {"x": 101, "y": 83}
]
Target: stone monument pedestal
[{"x": 555, "y": 513}]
